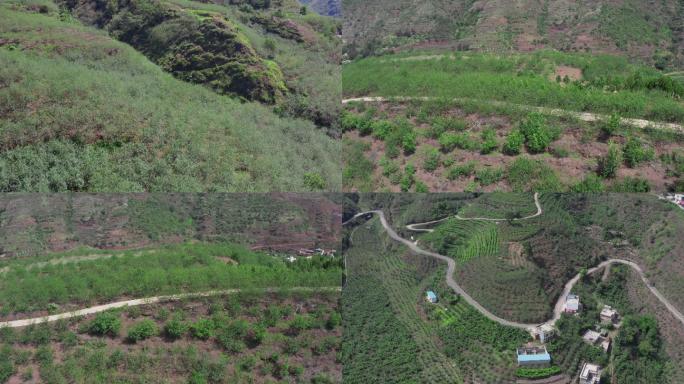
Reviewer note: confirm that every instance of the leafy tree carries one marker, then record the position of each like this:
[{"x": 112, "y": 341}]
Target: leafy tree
[
  {"x": 610, "y": 163},
  {"x": 142, "y": 330},
  {"x": 106, "y": 323},
  {"x": 303, "y": 10}
]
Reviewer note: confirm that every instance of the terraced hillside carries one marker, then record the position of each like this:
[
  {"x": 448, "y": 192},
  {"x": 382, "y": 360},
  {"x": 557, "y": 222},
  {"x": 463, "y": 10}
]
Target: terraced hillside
[
  {"x": 481, "y": 122},
  {"x": 650, "y": 31},
  {"x": 35, "y": 224},
  {"x": 517, "y": 268},
  {"x": 82, "y": 111}
]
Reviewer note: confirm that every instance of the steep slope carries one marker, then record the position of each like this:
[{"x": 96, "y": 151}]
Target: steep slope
[
  {"x": 80, "y": 111},
  {"x": 650, "y": 31}
]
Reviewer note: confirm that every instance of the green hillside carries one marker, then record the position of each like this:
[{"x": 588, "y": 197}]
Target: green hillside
[{"x": 81, "y": 111}]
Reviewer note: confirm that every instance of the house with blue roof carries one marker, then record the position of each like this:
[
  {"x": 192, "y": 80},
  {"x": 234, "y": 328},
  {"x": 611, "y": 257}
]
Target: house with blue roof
[
  {"x": 431, "y": 296},
  {"x": 533, "y": 357}
]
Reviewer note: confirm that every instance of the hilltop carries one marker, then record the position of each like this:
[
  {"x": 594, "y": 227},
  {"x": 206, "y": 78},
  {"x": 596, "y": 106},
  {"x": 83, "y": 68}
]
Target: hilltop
[
  {"x": 649, "y": 31},
  {"x": 152, "y": 95}
]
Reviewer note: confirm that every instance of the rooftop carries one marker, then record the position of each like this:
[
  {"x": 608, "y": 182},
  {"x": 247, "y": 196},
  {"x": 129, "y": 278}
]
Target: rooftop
[{"x": 533, "y": 354}]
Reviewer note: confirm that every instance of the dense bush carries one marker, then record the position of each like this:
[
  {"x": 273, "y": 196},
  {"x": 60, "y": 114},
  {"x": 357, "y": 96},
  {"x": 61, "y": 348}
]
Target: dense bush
[
  {"x": 538, "y": 135},
  {"x": 537, "y": 373},
  {"x": 431, "y": 160},
  {"x": 449, "y": 141},
  {"x": 175, "y": 329},
  {"x": 489, "y": 143},
  {"x": 636, "y": 152},
  {"x": 489, "y": 175},
  {"x": 514, "y": 143},
  {"x": 610, "y": 163},
  {"x": 202, "y": 329},
  {"x": 142, "y": 330},
  {"x": 526, "y": 174},
  {"x": 106, "y": 323}
]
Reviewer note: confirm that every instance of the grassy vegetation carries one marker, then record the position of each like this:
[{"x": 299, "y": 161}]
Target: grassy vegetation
[
  {"x": 520, "y": 79},
  {"x": 169, "y": 270},
  {"x": 91, "y": 114},
  {"x": 255, "y": 337}
]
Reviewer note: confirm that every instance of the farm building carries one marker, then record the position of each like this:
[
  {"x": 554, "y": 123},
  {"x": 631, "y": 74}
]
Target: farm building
[
  {"x": 572, "y": 303},
  {"x": 595, "y": 338},
  {"x": 608, "y": 315},
  {"x": 431, "y": 296},
  {"x": 544, "y": 332},
  {"x": 590, "y": 374},
  {"x": 533, "y": 357}
]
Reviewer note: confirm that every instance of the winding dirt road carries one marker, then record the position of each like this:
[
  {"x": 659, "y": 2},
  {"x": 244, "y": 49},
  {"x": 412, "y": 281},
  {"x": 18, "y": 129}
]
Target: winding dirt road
[
  {"x": 558, "y": 308},
  {"x": 412, "y": 227},
  {"x": 583, "y": 116},
  {"x": 144, "y": 301}
]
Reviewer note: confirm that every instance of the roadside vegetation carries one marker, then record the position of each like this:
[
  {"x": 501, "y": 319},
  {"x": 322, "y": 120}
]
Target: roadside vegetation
[{"x": 187, "y": 268}]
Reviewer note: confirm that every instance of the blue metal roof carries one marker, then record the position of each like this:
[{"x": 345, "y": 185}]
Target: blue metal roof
[
  {"x": 431, "y": 295},
  {"x": 543, "y": 357}
]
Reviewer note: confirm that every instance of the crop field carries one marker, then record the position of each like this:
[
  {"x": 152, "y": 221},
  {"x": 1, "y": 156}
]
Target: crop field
[
  {"x": 523, "y": 79},
  {"x": 197, "y": 267},
  {"x": 500, "y": 205},
  {"x": 449, "y": 145},
  {"x": 241, "y": 338},
  {"x": 448, "y": 340}
]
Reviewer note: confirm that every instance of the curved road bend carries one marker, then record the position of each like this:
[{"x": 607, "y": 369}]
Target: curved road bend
[
  {"x": 558, "y": 308},
  {"x": 144, "y": 301}
]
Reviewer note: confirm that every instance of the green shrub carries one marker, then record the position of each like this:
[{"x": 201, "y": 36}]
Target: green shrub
[
  {"x": 631, "y": 185},
  {"x": 514, "y": 143},
  {"x": 408, "y": 178},
  {"x": 537, "y": 373},
  {"x": 202, "y": 329},
  {"x": 106, "y": 323},
  {"x": 142, "y": 330},
  {"x": 611, "y": 125},
  {"x": 591, "y": 183},
  {"x": 431, "y": 161},
  {"x": 314, "y": 181},
  {"x": 175, "y": 329},
  {"x": 526, "y": 174},
  {"x": 449, "y": 141},
  {"x": 334, "y": 320},
  {"x": 537, "y": 134},
  {"x": 389, "y": 167},
  {"x": 635, "y": 152},
  {"x": 461, "y": 170},
  {"x": 7, "y": 368},
  {"x": 381, "y": 128},
  {"x": 421, "y": 187},
  {"x": 610, "y": 163},
  {"x": 443, "y": 124},
  {"x": 489, "y": 143},
  {"x": 489, "y": 175}
]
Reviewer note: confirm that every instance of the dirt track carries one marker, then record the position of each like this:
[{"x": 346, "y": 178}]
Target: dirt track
[
  {"x": 583, "y": 116},
  {"x": 143, "y": 301}
]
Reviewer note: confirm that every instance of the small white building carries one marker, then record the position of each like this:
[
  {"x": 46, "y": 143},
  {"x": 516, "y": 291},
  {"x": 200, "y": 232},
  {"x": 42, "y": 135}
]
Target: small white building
[
  {"x": 608, "y": 315},
  {"x": 572, "y": 303},
  {"x": 544, "y": 332},
  {"x": 590, "y": 374}
]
